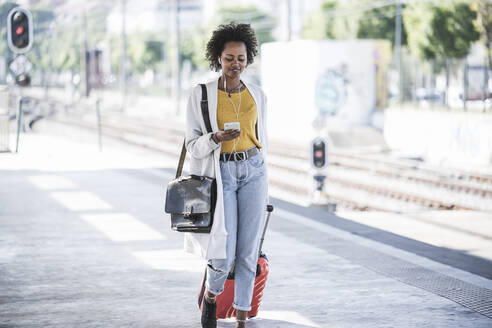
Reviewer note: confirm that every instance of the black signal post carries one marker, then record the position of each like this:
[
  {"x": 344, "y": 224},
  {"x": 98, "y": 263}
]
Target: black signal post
[
  {"x": 319, "y": 162},
  {"x": 19, "y": 40}
]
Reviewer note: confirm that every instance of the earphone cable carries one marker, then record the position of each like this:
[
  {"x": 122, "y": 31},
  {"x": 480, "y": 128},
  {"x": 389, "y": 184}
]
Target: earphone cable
[{"x": 235, "y": 141}]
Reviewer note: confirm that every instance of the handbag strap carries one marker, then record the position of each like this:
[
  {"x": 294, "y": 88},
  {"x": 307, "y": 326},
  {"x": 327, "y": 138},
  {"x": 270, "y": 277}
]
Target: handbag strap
[
  {"x": 181, "y": 160},
  {"x": 208, "y": 126},
  {"x": 204, "y": 105}
]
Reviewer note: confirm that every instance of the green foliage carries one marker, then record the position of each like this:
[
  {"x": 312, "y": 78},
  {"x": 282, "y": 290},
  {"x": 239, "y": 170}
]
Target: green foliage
[
  {"x": 192, "y": 47},
  {"x": 199, "y": 41},
  {"x": 379, "y": 23},
  {"x": 319, "y": 24},
  {"x": 261, "y": 22},
  {"x": 42, "y": 19},
  {"x": 44, "y": 28},
  {"x": 115, "y": 53},
  {"x": 453, "y": 31},
  {"x": 416, "y": 21},
  {"x": 145, "y": 51},
  {"x": 346, "y": 20},
  {"x": 58, "y": 45},
  {"x": 439, "y": 32},
  {"x": 65, "y": 46},
  {"x": 483, "y": 24}
]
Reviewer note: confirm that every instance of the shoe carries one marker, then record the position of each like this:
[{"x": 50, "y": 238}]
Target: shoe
[
  {"x": 209, "y": 313},
  {"x": 240, "y": 323},
  {"x": 241, "y": 318}
]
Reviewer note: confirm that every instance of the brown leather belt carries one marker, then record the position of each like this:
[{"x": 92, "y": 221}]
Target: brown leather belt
[{"x": 240, "y": 155}]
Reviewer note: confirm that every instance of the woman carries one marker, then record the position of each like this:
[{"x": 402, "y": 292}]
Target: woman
[{"x": 235, "y": 157}]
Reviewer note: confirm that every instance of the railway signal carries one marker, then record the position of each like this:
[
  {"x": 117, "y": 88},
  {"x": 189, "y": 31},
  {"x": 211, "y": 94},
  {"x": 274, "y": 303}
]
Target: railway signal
[
  {"x": 319, "y": 161},
  {"x": 318, "y": 153},
  {"x": 19, "y": 40},
  {"x": 20, "y": 66},
  {"x": 19, "y": 30},
  {"x": 23, "y": 80}
]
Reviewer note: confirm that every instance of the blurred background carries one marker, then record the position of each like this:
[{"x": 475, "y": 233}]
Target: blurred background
[
  {"x": 436, "y": 52},
  {"x": 389, "y": 99},
  {"x": 379, "y": 160}
]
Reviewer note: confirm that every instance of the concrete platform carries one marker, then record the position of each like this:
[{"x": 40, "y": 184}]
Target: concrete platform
[{"x": 84, "y": 243}]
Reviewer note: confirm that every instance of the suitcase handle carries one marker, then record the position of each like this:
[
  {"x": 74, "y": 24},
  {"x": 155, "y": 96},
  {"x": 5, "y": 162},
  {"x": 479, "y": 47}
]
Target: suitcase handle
[{"x": 269, "y": 210}]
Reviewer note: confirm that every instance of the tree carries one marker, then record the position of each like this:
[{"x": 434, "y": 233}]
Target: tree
[
  {"x": 319, "y": 24},
  {"x": 379, "y": 23},
  {"x": 453, "y": 30},
  {"x": 145, "y": 51},
  {"x": 192, "y": 47},
  {"x": 440, "y": 32},
  {"x": 261, "y": 22},
  {"x": 346, "y": 18},
  {"x": 483, "y": 24},
  {"x": 57, "y": 46}
]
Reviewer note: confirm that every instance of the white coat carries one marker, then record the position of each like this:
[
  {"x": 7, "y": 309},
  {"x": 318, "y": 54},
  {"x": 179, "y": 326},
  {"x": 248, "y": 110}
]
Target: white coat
[{"x": 204, "y": 160}]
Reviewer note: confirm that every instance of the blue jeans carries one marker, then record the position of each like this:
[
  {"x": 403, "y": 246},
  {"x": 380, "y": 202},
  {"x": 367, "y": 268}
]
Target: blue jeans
[{"x": 245, "y": 196}]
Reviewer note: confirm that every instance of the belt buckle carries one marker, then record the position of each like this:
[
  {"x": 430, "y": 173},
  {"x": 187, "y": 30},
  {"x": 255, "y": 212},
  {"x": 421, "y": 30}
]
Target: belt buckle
[{"x": 243, "y": 156}]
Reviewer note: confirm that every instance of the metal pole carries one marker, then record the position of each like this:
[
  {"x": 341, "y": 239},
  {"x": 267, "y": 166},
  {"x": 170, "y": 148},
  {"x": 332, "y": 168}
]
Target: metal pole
[
  {"x": 485, "y": 90},
  {"x": 177, "y": 58},
  {"x": 19, "y": 123},
  {"x": 289, "y": 20},
  {"x": 398, "y": 49},
  {"x": 446, "y": 97},
  {"x": 123, "y": 85},
  {"x": 99, "y": 128},
  {"x": 83, "y": 58},
  {"x": 433, "y": 80},
  {"x": 465, "y": 89}
]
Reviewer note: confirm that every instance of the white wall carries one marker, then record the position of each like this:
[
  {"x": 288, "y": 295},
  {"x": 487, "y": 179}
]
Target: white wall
[
  {"x": 303, "y": 78},
  {"x": 441, "y": 137}
]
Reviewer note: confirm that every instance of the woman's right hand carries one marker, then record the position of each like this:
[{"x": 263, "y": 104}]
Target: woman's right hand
[{"x": 226, "y": 135}]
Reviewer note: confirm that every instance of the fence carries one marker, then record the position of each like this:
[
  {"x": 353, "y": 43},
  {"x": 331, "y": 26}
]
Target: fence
[
  {"x": 451, "y": 83},
  {"x": 4, "y": 121},
  {"x": 4, "y": 133}
]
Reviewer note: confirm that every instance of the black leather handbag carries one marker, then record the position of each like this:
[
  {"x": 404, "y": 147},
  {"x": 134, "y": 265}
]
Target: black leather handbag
[{"x": 191, "y": 199}]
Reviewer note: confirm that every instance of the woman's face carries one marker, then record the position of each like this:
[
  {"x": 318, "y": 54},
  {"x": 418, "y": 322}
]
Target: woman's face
[{"x": 233, "y": 59}]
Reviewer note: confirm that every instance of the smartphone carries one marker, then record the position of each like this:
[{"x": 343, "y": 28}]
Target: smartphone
[{"x": 231, "y": 126}]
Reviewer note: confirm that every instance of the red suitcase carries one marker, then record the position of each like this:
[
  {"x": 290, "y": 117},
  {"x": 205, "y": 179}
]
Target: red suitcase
[{"x": 224, "y": 301}]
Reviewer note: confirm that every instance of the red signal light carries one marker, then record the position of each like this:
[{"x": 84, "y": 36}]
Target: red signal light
[{"x": 19, "y": 30}]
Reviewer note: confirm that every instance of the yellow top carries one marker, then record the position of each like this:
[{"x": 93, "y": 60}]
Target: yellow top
[{"x": 248, "y": 115}]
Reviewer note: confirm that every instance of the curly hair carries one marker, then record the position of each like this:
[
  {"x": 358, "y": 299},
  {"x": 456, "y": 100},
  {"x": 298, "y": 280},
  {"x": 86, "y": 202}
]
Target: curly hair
[{"x": 231, "y": 32}]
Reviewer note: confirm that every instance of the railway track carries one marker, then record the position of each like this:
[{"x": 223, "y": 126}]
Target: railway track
[
  {"x": 355, "y": 181},
  {"x": 457, "y": 181}
]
